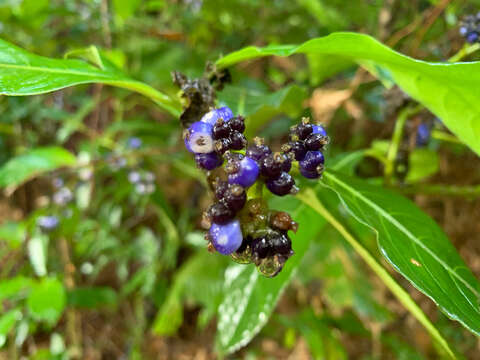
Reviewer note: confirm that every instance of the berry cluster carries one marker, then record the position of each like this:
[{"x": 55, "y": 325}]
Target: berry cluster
[
  {"x": 470, "y": 28},
  {"x": 239, "y": 221},
  {"x": 144, "y": 181},
  {"x": 61, "y": 197}
]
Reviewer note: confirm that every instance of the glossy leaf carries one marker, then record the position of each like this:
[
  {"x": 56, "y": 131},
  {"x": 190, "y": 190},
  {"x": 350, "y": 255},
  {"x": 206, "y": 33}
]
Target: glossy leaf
[
  {"x": 448, "y": 90},
  {"x": 24, "y": 73},
  {"x": 249, "y": 297},
  {"x": 26, "y": 166},
  {"x": 416, "y": 247}
]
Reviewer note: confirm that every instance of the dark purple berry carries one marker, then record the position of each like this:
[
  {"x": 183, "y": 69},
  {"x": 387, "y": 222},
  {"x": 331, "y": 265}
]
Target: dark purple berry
[
  {"x": 312, "y": 160},
  {"x": 423, "y": 134},
  {"x": 272, "y": 165},
  {"x": 237, "y": 141},
  {"x": 226, "y": 238},
  {"x": 222, "y": 113},
  {"x": 221, "y": 130},
  {"x": 310, "y": 174},
  {"x": 287, "y": 164},
  {"x": 220, "y": 213},
  {"x": 315, "y": 142},
  {"x": 235, "y": 197},
  {"x": 280, "y": 244},
  {"x": 298, "y": 149},
  {"x": 246, "y": 173},
  {"x": 222, "y": 145},
  {"x": 208, "y": 161},
  {"x": 260, "y": 247},
  {"x": 237, "y": 124},
  {"x": 198, "y": 138},
  {"x": 303, "y": 130},
  {"x": 281, "y": 186},
  {"x": 258, "y": 151},
  {"x": 220, "y": 189}
]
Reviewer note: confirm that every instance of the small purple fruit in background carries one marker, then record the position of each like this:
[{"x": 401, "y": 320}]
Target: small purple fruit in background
[
  {"x": 208, "y": 161},
  {"x": 211, "y": 117},
  {"x": 472, "y": 37},
  {"x": 423, "y": 134},
  {"x": 246, "y": 174},
  {"x": 226, "y": 238},
  {"x": 48, "y": 223},
  {"x": 134, "y": 177},
  {"x": 63, "y": 196},
  {"x": 134, "y": 143},
  {"x": 199, "y": 138}
]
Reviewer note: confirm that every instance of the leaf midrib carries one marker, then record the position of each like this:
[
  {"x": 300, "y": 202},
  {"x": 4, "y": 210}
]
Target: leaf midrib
[
  {"x": 396, "y": 223},
  {"x": 62, "y": 71}
]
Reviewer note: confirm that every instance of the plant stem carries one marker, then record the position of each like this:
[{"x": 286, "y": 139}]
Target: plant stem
[
  {"x": 464, "y": 51},
  {"x": 309, "y": 198},
  {"x": 443, "y": 136},
  {"x": 396, "y": 140}
]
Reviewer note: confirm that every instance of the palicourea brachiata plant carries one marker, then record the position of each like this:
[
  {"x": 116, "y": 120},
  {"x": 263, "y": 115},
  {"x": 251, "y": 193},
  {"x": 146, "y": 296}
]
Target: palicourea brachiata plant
[{"x": 239, "y": 222}]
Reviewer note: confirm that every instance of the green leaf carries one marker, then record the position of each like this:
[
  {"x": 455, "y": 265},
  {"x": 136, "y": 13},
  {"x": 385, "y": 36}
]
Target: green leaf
[
  {"x": 448, "y": 90},
  {"x": 260, "y": 106},
  {"x": 92, "y": 297},
  {"x": 24, "y": 73},
  {"x": 13, "y": 233},
  {"x": 47, "y": 300},
  {"x": 249, "y": 297},
  {"x": 312, "y": 199},
  {"x": 422, "y": 163},
  {"x": 14, "y": 287},
  {"x": 416, "y": 247},
  {"x": 7, "y": 321},
  {"x": 26, "y": 166}
]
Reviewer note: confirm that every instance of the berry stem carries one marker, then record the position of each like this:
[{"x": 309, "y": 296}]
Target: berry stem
[
  {"x": 256, "y": 191},
  {"x": 464, "y": 52}
]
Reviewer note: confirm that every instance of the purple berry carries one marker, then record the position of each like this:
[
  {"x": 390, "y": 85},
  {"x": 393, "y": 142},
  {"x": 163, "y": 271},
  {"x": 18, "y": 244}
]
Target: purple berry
[
  {"x": 226, "y": 238},
  {"x": 298, "y": 149},
  {"x": 472, "y": 37},
  {"x": 423, "y": 134},
  {"x": 247, "y": 173},
  {"x": 272, "y": 165},
  {"x": 134, "y": 143},
  {"x": 463, "y": 30},
  {"x": 237, "y": 124},
  {"x": 198, "y": 138},
  {"x": 48, "y": 223},
  {"x": 257, "y": 152},
  {"x": 222, "y": 113},
  {"x": 220, "y": 213},
  {"x": 281, "y": 186},
  {"x": 208, "y": 161},
  {"x": 303, "y": 130},
  {"x": 260, "y": 247},
  {"x": 237, "y": 141},
  {"x": 319, "y": 129},
  {"x": 235, "y": 197},
  {"x": 312, "y": 160},
  {"x": 134, "y": 177},
  {"x": 315, "y": 142}
]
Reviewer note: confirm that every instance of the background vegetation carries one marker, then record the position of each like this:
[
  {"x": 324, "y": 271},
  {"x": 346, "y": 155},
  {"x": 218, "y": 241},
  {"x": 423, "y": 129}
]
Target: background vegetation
[{"x": 126, "y": 274}]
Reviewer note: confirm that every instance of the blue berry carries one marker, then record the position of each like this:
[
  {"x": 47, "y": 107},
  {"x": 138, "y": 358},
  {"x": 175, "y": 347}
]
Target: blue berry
[
  {"x": 208, "y": 161},
  {"x": 423, "y": 134},
  {"x": 472, "y": 37},
  {"x": 222, "y": 113},
  {"x": 319, "y": 129},
  {"x": 63, "y": 196},
  {"x": 198, "y": 138},
  {"x": 246, "y": 172},
  {"x": 226, "y": 238},
  {"x": 312, "y": 166},
  {"x": 258, "y": 151},
  {"x": 134, "y": 143},
  {"x": 48, "y": 223}
]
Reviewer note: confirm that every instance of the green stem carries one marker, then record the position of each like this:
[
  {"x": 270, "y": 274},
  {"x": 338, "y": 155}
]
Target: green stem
[
  {"x": 443, "y": 136},
  {"x": 397, "y": 139},
  {"x": 463, "y": 52},
  {"x": 309, "y": 198}
]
